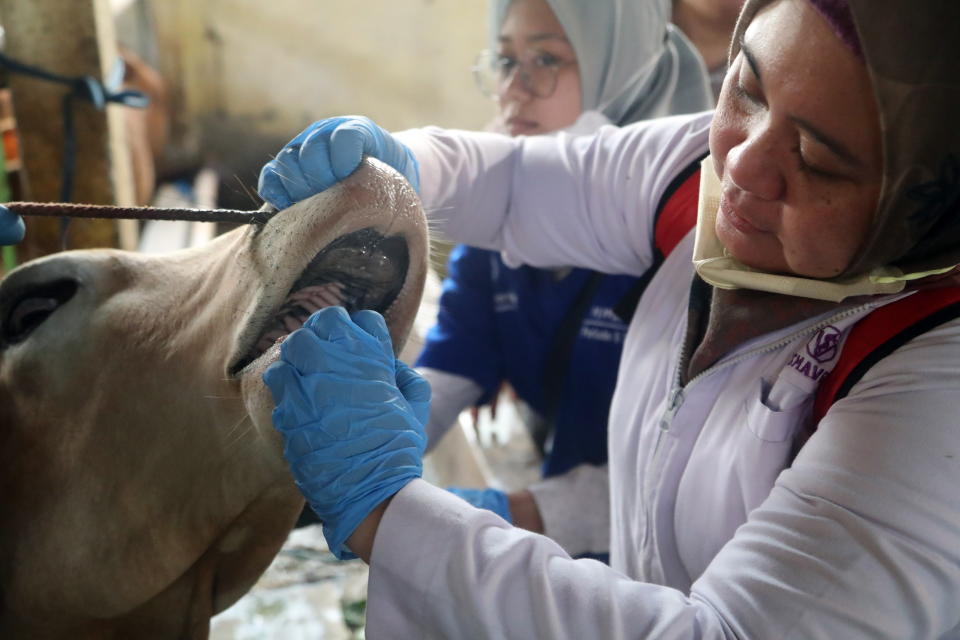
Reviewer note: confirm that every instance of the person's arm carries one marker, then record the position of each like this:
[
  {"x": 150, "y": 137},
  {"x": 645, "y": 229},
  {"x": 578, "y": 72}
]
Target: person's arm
[
  {"x": 442, "y": 569},
  {"x": 551, "y": 201},
  {"x": 524, "y": 511},
  {"x": 574, "y": 509},
  {"x": 452, "y": 394},
  {"x": 547, "y": 201},
  {"x": 858, "y": 540},
  {"x": 361, "y": 540},
  {"x": 462, "y": 357}
]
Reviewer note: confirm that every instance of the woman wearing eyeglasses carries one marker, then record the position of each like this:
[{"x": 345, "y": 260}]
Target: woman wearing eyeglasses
[
  {"x": 555, "y": 65},
  {"x": 553, "y": 60}
]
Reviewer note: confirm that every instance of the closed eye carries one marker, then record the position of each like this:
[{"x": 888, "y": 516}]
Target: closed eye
[
  {"x": 742, "y": 93},
  {"x": 806, "y": 167},
  {"x": 31, "y": 307}
]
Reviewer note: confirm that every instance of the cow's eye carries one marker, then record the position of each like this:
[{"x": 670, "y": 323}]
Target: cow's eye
[{"x": 33, "y": 306}]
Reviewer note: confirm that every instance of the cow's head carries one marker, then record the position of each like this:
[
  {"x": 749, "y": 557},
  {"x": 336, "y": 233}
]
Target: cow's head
[{"x": 143, "y": 488}]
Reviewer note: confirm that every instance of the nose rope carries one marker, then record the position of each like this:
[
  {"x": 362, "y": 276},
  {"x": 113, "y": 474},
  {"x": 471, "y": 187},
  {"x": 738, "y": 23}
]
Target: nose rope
[{"x": 72, "y": 210}]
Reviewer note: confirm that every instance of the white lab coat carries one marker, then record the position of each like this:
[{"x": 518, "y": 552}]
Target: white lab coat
[{"x": 711, "y": 538}]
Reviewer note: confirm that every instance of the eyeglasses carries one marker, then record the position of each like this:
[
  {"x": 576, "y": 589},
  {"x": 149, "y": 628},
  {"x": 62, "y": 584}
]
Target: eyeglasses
[{"x": 538, "y": 71}]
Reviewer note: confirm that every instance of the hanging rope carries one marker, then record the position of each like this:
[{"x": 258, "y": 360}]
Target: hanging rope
[{"x": 88, "y": 88}]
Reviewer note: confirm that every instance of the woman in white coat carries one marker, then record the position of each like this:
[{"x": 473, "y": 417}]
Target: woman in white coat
[{"x": 832, "y": 191}]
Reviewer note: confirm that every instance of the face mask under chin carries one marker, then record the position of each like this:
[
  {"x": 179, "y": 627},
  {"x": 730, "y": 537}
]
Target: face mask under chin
[{"x": 716, "y": 267}]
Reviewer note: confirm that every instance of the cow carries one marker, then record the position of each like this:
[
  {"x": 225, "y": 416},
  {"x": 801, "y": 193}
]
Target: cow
[{"x": 143, "y": 486}]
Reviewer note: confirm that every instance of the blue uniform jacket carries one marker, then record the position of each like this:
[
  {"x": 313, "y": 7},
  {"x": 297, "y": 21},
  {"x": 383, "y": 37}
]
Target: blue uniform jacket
[{"x": 499, "y": 324}]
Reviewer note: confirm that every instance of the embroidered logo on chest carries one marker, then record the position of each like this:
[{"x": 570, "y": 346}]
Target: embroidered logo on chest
[
  {"x": 816, "y": 360},
  {"x": 824, "y": 345}
]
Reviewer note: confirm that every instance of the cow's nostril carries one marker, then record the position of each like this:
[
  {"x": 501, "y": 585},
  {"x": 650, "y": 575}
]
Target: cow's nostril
[{"x": 30, "y": 307}]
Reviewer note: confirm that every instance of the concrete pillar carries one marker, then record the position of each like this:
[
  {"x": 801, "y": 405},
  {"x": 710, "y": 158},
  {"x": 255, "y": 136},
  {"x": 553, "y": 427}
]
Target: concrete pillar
[{"x": 71, "y": 39}]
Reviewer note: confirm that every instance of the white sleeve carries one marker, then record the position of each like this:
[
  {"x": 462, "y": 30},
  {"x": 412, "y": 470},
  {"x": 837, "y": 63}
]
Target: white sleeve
[
  {"x": 858, "y": 540},
  {"x": 562, "y": 200},
  {"x": 443, "y": 569},
  {"x": 575, "y": 509},
  {"x": 450, "y": 394}
]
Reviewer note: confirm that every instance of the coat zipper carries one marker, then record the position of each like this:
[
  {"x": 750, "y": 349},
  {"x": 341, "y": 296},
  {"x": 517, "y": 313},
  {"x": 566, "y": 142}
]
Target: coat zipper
[{"x": 678, "y": 391}]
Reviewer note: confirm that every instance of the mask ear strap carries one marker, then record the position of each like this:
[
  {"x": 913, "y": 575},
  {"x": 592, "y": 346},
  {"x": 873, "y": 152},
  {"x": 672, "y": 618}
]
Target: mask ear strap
[{"x": 887, "y": 278}]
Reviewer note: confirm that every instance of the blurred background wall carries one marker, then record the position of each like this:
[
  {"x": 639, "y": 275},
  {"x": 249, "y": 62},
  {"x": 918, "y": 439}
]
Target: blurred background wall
[{"x": 245, "y": 76}]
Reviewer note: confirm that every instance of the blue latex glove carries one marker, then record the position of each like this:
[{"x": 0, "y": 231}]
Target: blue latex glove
[
  {"x": 325, "y": 153},
  {"x": 351, "y": 415},
  {"x": 489, "y": 499},
  {"x": 11, "y": 227}
]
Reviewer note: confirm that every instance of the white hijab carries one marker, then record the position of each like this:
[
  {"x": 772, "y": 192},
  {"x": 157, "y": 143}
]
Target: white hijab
[{"x": 634, "y": 65}]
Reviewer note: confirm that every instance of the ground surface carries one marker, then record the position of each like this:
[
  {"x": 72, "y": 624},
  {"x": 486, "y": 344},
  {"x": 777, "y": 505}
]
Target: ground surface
[{"x": 305, "y": 594}]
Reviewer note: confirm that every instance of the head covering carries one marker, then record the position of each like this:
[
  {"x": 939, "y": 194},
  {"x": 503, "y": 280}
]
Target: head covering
[
  {"x": 911, "y": 52},
  {"x": 838, "y": 16},
  {"x": 633, "y": 64}
]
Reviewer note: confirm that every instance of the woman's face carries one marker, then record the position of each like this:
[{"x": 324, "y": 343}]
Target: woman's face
[
  {"x": 533, "y": 47},
  {"x": 796, "y": 142}
]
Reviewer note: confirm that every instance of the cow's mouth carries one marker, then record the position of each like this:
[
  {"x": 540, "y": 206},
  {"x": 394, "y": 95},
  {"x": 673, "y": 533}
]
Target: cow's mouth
[{"x": 361, "y": 270}]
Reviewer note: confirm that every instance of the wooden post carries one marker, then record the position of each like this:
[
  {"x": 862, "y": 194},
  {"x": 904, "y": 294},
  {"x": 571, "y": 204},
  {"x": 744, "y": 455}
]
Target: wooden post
[{"x": 72, "y": 39}]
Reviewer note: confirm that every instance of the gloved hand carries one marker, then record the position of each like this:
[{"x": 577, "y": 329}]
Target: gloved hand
[
  {"x": 489, "y": 499},
  {"x": 325, "y": 153},
  {"x": 351, "y": 415},
  {"x": 11, "y": 227}
]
